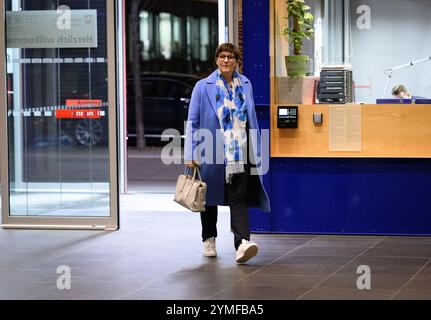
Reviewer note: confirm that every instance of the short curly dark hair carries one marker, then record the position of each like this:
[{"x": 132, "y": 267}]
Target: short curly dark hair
[
  {"x": 228, "y": 47},
  {"x": 398, "y": 89}
]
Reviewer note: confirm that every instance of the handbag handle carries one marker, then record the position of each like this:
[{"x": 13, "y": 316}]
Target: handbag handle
[
  {"x": 195, "y": 169},
  {"x": 186, "y": 172}
]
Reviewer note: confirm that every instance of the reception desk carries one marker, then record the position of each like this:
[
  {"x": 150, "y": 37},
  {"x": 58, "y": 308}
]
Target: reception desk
[
  {"x": 382, "y": 189},
  {"x": 394, "y": 131}
]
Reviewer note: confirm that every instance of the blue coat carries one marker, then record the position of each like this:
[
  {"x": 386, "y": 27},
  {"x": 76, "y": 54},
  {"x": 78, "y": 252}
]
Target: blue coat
[{"x": 203, "y": 115}]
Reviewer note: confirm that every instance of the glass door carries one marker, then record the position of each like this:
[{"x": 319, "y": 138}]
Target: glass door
[{"x": 58, "y": 125}]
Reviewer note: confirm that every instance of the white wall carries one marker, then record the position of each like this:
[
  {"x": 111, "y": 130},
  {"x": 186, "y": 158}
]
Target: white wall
[{"x": 400, "y": 33}]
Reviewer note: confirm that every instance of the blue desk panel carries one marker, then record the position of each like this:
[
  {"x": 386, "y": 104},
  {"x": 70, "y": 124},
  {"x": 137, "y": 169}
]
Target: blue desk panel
[
  {"x": 351, "y": 196},
  {"x": 261, "y": 221}
]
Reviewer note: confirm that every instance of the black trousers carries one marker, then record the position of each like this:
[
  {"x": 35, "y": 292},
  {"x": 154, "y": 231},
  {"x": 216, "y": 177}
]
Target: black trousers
[{"x": 236, "y": 194}]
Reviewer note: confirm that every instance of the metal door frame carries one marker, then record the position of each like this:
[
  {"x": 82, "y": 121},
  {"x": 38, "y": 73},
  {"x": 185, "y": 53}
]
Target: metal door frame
[{"x": 54, "y": 222}]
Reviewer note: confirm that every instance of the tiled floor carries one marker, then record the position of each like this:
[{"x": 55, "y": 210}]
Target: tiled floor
[{"x": 157, "y": 255}]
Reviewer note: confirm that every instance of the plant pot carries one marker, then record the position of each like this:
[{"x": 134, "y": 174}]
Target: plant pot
[{"x": 297, "y": 66}]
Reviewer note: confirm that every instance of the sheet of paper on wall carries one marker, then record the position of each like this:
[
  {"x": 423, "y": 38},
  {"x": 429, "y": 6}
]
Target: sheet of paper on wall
[{"x": 345, "y": 131}]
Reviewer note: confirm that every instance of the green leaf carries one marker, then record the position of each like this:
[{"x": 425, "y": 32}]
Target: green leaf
[{"x": 298, "y": 11}]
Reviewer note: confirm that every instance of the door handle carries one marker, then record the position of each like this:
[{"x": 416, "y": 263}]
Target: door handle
[{"x": 186, "y": 100}]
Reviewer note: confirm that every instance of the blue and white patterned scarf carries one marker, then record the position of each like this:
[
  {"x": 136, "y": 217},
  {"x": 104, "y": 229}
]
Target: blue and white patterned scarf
[{"x": 232, "y": 114}]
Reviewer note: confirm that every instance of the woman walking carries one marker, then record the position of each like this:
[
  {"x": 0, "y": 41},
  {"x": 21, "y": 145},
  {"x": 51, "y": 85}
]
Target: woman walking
[{"x": 222, "y": 110}]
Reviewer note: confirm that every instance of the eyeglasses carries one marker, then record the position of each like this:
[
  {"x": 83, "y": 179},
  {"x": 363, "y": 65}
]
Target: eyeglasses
[{"x": 229, "y": 58}]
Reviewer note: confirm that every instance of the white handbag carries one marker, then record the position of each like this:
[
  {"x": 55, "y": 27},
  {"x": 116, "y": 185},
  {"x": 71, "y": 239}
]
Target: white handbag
[{"x": 191, "y": 193}]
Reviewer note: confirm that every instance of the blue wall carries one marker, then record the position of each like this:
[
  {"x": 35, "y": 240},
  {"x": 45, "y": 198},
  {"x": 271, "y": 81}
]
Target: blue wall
[
  {"x": 257, "y": 69},
  {"x": 333, "y": 196},
  {"x": 256, "y": 48}
]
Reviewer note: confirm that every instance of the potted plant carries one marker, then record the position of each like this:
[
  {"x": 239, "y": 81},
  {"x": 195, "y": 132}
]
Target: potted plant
[{"x": 298, "y": 28}]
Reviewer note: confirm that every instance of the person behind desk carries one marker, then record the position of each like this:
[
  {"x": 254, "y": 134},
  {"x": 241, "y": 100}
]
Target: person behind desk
[{"x": 401, "y": 92}]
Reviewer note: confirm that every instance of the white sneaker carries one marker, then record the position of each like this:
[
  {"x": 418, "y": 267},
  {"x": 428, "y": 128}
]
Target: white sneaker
[
  {"x": 210, "y": 248},
  {"x": 246, "y": 251}
]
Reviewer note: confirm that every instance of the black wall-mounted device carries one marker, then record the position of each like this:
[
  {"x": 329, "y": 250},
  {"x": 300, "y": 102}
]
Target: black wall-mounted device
[{"x": 287, "y": 117}]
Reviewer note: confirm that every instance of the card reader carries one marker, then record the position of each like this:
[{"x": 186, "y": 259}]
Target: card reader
[{"x": 287, "y": 117}]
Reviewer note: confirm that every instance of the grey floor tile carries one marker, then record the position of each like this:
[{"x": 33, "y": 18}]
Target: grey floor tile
[
  {"x": 23, "y": 237},
  {"x": 406, "y": 241},
  {"x": 15, "y": 292},
  {"x": 275, "y": 280},
  {"x": 425, "y": 272},
  {"x": 77, "y": 263},
  {"x": 216, "y": 268},
  {"x": 394, "y": 250},
  {"x": 413, "y": 295},
  {"x": 323, "y": 260},
  {"x": 266, "y": 256},
  {"x": 344, "y": 241},
  {"x": 158, "y": 255},
  {"x": 154, "y": 294},
  {"x": 390, "y": 261},
  {"x": 260, "y": 293},
  {"x": 82, "y": 290},
  {"x": 348, "y": 294},
  {"x": 26, "y": 277},
  {"x": 329, "y": 251},
  {"x": 392, "y": 282},
  {"x": 298, "y": 270},
  {"x": 185, "y": 285},
  {"x": 353, "y": 269},
  {"x": 419, "y": 284},
  {"x": 282, "y": 240}
]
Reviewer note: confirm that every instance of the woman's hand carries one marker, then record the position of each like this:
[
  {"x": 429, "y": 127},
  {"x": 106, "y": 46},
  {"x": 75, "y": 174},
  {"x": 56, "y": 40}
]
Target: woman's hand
[{"x": 192, "y": 164}]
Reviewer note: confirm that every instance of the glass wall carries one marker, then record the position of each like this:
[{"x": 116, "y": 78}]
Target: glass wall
[
  {"x": 375, "y": 36},
  {"x": 58, "y": 108},
  {"x": 385, "y": 42},
  {"x": 178, "y": 36},
  {"x": 174, "y": 49}
]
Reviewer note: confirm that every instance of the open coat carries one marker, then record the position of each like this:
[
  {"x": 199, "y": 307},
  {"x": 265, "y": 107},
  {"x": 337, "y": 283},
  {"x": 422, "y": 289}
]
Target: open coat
[{"x": 204, "y": 143}]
